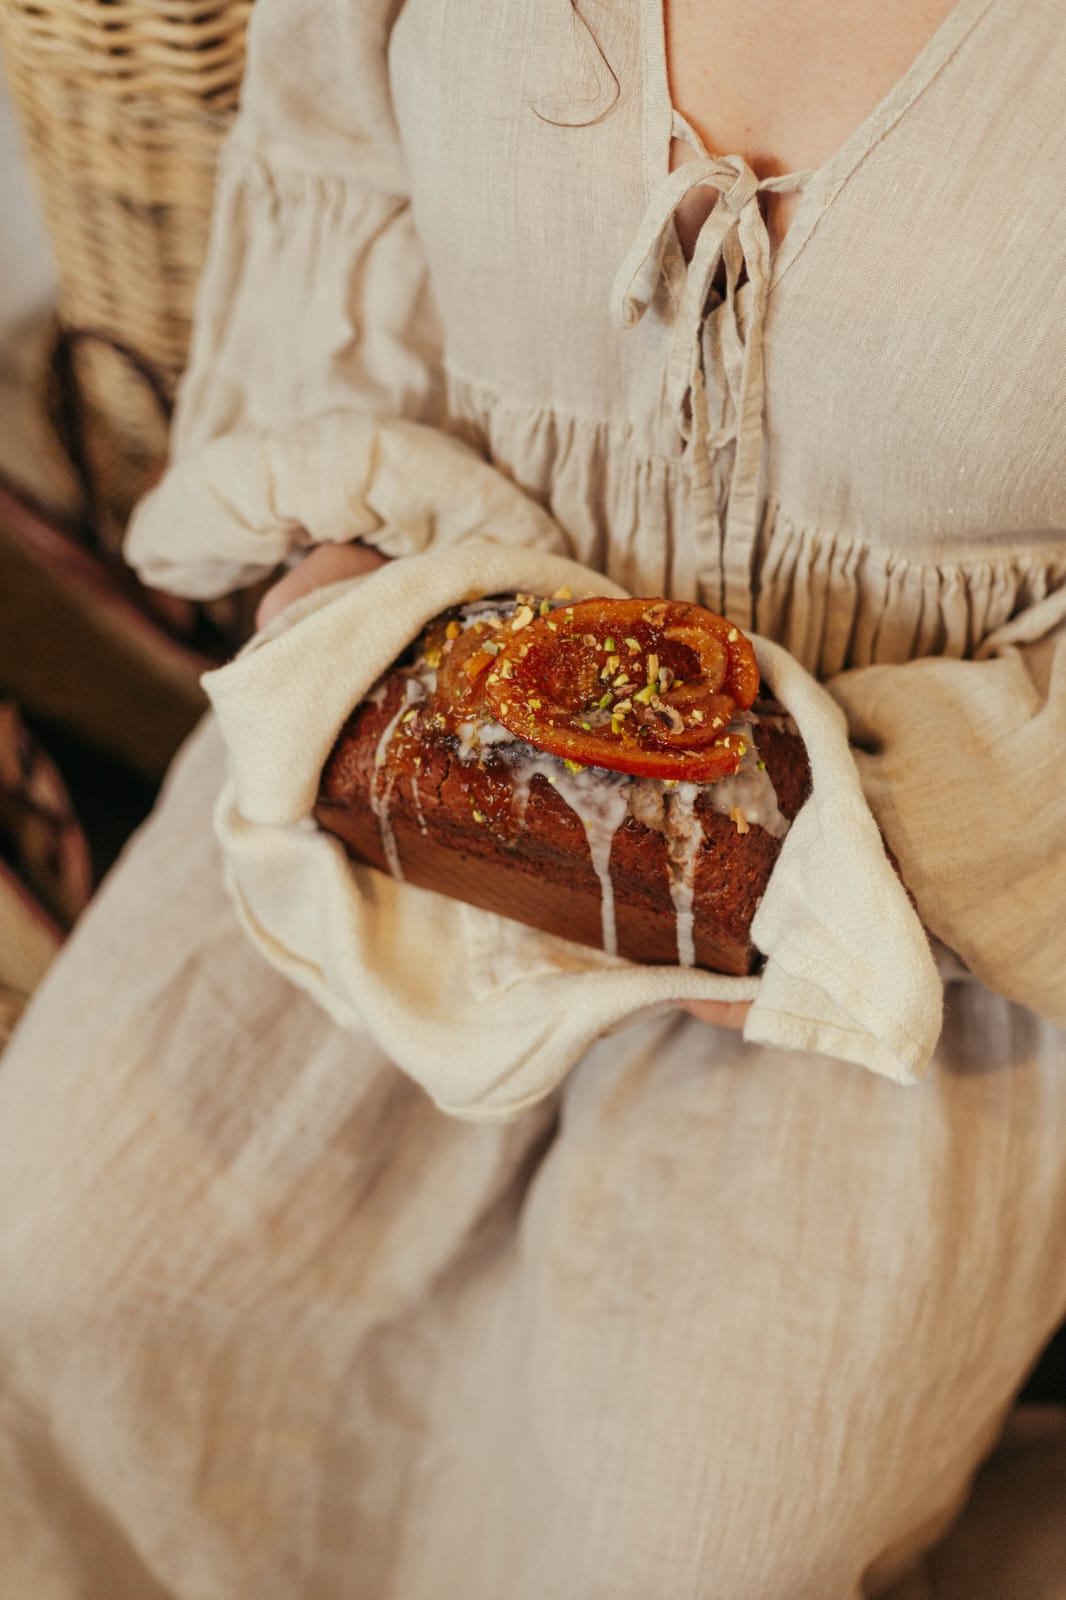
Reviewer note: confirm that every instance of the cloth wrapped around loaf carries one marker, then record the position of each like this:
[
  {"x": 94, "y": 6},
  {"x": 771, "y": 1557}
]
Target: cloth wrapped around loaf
[
  {"x": 487, "y": 1014},
  {"x": 605, "y": 769}
]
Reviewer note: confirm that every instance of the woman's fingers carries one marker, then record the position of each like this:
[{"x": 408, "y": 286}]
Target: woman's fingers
[
  {"x": 723, "y": 1013},
  {"x": 326, "y": 563}
]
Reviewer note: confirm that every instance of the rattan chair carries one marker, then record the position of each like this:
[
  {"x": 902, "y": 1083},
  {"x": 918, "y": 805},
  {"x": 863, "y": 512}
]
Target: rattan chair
[{"x": 123, "y": 105}]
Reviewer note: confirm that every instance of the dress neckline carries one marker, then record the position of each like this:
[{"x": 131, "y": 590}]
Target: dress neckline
[{"x": 822, "y": 184}]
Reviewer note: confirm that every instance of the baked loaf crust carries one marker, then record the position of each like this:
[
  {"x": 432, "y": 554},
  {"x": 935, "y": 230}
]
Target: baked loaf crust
[{"x": 659, "y": 871}]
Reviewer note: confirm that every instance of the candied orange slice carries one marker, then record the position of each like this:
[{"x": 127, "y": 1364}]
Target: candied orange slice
[{"x": 647, "y": 687}]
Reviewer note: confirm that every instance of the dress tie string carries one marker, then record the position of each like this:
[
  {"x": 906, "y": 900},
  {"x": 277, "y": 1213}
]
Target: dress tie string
[{"x": 734, "y": 234}]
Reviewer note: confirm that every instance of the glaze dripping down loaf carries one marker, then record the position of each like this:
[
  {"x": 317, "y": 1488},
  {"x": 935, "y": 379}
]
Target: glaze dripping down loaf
[{"x": 656, "y": 870}]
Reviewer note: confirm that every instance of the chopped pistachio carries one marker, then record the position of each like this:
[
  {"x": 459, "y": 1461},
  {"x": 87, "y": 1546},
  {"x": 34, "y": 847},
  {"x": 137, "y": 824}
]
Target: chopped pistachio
[
  {"x": 506, "y": 669},
  {"x": 522, "y": 618},
  {"x": 565, "y": 593},
  {"x": 620, "y": 680},
  {"x": 554, "y": 626},
  {"x": 573, "y": 766},
  {"x": 653, "y": 668},
  {"x": 590, "y": 640},
  {"x": 534, "y": 705},
  {"x": 644, "y": 695},
  {"x": 633, "y": 646},
  {"x": 762, "y": 766},
  {"x": 697, "y": 716},
  {"x": 613, "y": 663},
  {"x": 586, "y": 725},
  {"x": 604, "y": 702},
  {"x": 492, "y": 647},
  {"x": 608, "y": 644},
  {"x": 616, "y": 724},
  {"x": 478, "y": 817},
  {"x": 410, "y": 716},
  {"x": 433, "y": 658},
  {"x": 732, "y": 636},
  {"x": 623, "y": 707},
  {"x": 545, "y": 607}
]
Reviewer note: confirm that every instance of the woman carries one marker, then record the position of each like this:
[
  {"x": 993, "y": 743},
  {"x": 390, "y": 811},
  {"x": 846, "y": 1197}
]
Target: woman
[{"x": 718, "y": 1319}]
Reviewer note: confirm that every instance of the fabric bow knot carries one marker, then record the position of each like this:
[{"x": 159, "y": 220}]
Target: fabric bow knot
[{"x": 734, "y": 234}]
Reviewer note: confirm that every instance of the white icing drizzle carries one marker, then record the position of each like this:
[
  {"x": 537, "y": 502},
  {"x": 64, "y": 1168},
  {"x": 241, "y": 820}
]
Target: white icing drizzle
[
  {"x": 416, "y": 796},
  {"x": 647, "y": 804},
  {"x": 600, "y": 801},
  {"x": 524, "y": 768},
  {"x": 749, "y": 790},
  {"x": 493, "y": 611},
  {"x": 384, "y": 776},
  {"x": 683, "y": 837},
  {"x": 603, "y": 808},
  {"x": 474, "y": 737}
]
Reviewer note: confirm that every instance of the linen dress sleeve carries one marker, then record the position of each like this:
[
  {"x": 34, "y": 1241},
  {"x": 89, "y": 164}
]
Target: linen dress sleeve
[
  {"x": 308, "y": 412},
  {"x": 963, "y": 764},
  {"x": 315, "y": 292}
]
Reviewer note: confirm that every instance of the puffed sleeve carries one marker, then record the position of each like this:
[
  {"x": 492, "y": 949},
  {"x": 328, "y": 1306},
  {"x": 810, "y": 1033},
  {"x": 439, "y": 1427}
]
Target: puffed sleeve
[
  {"x": 964, "y": 766},
  {"x": 315, "y": 294},
  {"x": 311, "y": 410}
]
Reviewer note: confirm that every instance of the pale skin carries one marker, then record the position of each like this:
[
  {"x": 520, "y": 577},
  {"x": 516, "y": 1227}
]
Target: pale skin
[{"x": 782, "y": 83}]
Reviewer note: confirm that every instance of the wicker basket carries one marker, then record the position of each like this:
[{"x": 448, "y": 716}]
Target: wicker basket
[{"x": 123, "y": 104}]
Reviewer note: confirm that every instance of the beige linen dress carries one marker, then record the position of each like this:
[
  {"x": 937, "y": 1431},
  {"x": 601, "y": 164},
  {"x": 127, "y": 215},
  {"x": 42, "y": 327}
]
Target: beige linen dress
[{"x": 714, "y": 1320}]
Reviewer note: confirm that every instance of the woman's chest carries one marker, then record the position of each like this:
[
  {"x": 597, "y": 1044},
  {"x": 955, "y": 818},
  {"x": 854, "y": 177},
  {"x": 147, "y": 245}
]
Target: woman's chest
[
  {"x": 785, "y": 84},
  {"x": 908, "y": 363}
]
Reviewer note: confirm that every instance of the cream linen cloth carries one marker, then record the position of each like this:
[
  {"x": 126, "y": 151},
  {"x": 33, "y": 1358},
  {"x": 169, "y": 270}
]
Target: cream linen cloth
[{"x": 486, "y": 1014}]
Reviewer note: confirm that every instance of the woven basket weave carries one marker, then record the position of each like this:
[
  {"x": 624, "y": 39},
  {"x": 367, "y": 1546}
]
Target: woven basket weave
[{"x": 123, "y": 104}]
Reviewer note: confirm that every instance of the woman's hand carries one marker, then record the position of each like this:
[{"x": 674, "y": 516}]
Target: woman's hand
[
  {"x": 325, "y": 563},
  {"x": 723, "y": 1013}
]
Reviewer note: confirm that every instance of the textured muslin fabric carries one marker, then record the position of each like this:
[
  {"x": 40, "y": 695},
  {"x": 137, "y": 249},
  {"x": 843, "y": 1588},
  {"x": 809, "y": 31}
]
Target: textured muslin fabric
[
  {"x": 712, "y": 1321},
  {"x": 717, "y": 1318}
]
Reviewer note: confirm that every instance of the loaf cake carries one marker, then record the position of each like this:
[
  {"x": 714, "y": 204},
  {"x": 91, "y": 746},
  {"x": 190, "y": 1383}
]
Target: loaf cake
[{"x": 605, "y": 770}]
